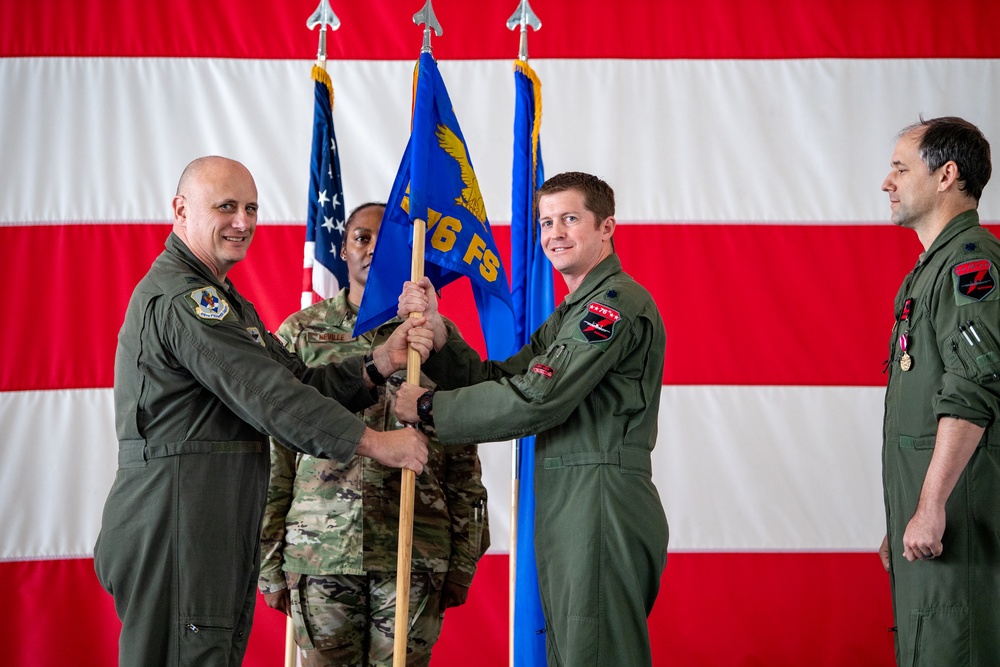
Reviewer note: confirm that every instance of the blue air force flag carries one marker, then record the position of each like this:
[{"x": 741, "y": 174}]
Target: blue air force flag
[{"x": 534, "y": 299}]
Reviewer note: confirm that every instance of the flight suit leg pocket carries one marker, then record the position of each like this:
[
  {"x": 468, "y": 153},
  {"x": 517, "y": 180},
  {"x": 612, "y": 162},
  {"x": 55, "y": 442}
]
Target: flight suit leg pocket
[
  {"x": 582, "y": 641},
  {"x": 205, "y": 644},
  {"x": 939, "y": 636}
]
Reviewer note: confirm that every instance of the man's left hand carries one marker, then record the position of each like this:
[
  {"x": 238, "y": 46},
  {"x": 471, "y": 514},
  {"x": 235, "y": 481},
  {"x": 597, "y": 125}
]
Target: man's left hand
[
  {"x": 922, "y": 539},
  {"x": 406, "y": 402},
  {"x": 391, "y": 355}
]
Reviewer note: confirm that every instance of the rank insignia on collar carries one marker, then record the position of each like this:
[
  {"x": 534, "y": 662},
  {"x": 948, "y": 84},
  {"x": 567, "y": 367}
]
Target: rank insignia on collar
[
  {"x": 598, "y": 325},
  {"x": 975, "y": 279},
  {"x": 210, "y": 306},
  {"x": 255, "y": 334}
]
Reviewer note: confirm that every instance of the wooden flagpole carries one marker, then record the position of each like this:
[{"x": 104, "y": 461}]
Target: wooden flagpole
[
  {"x": 408, "y": 483},
  {"x": 404, "y": 555}
]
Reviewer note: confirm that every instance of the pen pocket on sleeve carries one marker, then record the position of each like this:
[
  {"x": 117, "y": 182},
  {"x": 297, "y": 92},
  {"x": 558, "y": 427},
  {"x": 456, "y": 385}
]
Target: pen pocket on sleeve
[
  {"x": 543, "y": 373},
  {"x": 977, "y": 351}
]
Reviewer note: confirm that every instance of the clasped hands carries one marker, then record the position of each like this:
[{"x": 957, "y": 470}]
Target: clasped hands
[{"x": 430, "y": 334}]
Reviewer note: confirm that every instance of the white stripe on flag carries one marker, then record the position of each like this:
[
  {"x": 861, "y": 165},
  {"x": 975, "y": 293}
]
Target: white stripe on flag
[
  {"x": 685, "y": 141},
  {"x": 738, "y": 468}
]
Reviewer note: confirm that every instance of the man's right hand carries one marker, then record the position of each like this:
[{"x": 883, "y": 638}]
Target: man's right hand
[
  {"x": 420, "y": 297},
  {"x": 403, "y": 448},
  {"x": 281, "y": 600},
  {"x": 883, "y": 552}
]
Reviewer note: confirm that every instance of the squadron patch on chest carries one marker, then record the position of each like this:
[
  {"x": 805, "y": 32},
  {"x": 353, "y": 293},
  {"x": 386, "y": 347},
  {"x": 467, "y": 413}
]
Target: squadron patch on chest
[
  {"x": 974, "y": 280},
  {"x": 598, "y": 325},
  {"x": 209, "y": 305}
]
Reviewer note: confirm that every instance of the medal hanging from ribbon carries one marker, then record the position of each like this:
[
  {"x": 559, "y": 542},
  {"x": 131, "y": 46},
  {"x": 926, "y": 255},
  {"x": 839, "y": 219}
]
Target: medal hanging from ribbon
[{"x": 905, "y": 360}]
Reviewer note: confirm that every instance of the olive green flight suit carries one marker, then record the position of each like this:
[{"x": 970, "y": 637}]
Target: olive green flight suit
[
  {"x": 588, "y": 384},
  {"x": 199, "y": 381},
  {"x": 947, "y": 609}
]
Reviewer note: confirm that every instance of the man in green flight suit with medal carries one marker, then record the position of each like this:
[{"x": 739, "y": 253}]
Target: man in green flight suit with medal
[
  {"x": 941, "y": 448},
  {"x": 588, "y": 384}
]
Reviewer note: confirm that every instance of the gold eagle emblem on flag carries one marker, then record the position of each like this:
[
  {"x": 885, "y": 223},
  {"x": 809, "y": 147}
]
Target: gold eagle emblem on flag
[{"x": 472, "y": 198}]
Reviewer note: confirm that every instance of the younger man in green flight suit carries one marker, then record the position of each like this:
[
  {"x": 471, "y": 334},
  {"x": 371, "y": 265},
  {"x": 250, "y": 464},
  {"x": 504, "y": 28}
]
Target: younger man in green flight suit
[{"x": 588, "y": 384}]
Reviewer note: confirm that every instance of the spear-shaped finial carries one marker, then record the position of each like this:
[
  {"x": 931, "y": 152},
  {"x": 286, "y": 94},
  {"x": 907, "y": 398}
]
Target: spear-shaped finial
[
  {"x": 426, "y": 18},
  {"x": 523, "y": 18},
  {"x": 323, "y": 17}
]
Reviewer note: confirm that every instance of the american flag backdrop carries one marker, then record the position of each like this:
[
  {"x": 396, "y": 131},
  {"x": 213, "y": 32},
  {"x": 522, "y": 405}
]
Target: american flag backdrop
[
  {"x": 746, "y": 141},
  {"x": 324, "y": 273}
]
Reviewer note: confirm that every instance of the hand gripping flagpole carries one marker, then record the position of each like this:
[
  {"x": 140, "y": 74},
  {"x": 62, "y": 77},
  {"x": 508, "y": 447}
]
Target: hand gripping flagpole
[
  {"x": 322, "y": 17},
  {"x": 522, "y": 18},
  {"x": 404, "y": 554}
]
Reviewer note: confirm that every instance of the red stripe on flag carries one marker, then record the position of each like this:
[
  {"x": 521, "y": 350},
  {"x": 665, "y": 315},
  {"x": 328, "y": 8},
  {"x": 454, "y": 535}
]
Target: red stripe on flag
[
  {"x": 473, "y": 30},
  {"x": 743, "y": 304},
  {"x": 714, "y": 610}
]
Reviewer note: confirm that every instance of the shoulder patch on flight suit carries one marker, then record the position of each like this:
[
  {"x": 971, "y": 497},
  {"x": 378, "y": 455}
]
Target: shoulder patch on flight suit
[
  {"x": 208, "y": 304},
  {"x": 255, "y": 334},
  {"x": 598, "y": 324},
  {"x": 973, "y": 280}
]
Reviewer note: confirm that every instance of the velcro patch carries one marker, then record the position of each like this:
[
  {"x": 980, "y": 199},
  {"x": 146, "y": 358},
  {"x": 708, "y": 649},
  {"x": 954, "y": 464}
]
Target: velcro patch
[
  {"x": 210, "y": 306},
  {"x": 975, "y": 279},
  {"x": 255, "y": 334},
  {"x": 598, "y": 325},
  {"x": 316, "y": 337},
  {"x": 543, "y": 370}
]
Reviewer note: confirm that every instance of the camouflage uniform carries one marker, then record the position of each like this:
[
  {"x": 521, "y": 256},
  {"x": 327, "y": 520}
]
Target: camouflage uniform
[{"x": 331, "y": 530}]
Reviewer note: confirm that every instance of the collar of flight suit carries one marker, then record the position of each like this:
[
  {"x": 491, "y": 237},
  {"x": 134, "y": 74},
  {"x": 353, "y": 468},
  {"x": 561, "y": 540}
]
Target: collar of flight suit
[
  {"x": 960, "y": 223},
  {"x": 608, "y": 266},
  {"x": 178, "y": 248}
]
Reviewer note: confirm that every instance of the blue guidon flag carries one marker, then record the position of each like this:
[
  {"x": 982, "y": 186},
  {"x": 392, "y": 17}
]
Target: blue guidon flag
[
  {"x": 436, "y": 182},
  {"x": 534, "y": 301}
]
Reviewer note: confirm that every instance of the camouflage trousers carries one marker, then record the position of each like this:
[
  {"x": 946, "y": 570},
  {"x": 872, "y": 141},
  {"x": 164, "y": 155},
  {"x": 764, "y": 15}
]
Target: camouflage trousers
[{"x": 349, "y": 620}]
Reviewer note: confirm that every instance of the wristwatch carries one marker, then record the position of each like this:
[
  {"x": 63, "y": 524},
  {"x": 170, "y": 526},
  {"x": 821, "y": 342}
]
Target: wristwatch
[
  {"x": 425, "y": 404},
  {"x": 373, "y": 374}
]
